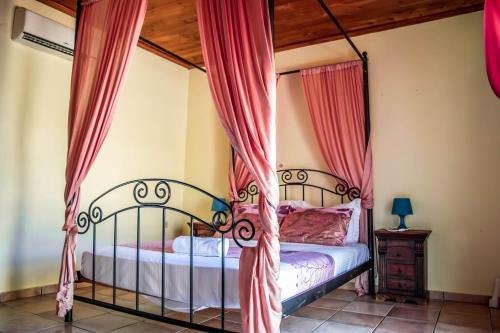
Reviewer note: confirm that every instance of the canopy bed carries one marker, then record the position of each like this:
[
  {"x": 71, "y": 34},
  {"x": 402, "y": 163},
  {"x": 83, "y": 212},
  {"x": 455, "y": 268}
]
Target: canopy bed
[{"x": 274, "y": 273}]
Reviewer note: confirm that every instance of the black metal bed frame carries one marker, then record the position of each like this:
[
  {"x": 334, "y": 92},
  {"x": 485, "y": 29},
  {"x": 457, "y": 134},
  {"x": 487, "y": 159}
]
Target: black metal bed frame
[
  {"x": 156, "y": 193},
  {"x": 300, "y": 178}
]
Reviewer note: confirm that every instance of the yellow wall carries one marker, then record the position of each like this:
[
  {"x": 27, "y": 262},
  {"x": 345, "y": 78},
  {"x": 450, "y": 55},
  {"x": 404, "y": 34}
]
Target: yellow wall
[
  {"x": 434, "y": 129},
  {"x": 436, "y": 139},
  {"x": 207, "y": 148},
  {"x": 147, "y": 139}
]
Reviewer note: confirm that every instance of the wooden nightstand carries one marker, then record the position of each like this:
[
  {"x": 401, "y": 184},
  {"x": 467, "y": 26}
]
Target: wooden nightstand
[
  {"x": 402, "y": 264},
  {"x": 201, "y": 230}
]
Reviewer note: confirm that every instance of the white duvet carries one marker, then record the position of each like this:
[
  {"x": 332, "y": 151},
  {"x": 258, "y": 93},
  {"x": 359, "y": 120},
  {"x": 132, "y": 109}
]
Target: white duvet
[{"x": 207, "y": 272}]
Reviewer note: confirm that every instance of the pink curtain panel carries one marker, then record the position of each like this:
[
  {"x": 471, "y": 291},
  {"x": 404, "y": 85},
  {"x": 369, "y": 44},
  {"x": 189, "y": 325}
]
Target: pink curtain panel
[
  {"x": 492, "y": 43},
  {"x": 334, "y": 96},
  {"x": 239, "y": 176},
  {"x": 108, "y": 32},
  {"x": 238, "y": 52}
]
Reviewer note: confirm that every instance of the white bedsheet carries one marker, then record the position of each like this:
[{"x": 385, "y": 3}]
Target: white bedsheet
[{"x": 207, "y": 272}]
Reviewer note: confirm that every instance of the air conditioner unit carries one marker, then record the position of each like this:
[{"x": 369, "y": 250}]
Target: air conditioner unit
[{"x": 42, "y": 33}]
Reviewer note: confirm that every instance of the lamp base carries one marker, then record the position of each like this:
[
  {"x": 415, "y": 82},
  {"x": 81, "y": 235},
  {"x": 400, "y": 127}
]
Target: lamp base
[{"x": 402, "y": 226}]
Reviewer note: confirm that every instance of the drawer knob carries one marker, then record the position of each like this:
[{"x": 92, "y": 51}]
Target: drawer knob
[
  {"x": 399, "y": 285},
  {"x": 399, "y": 270},
  {"x": 398, "y": 255}
]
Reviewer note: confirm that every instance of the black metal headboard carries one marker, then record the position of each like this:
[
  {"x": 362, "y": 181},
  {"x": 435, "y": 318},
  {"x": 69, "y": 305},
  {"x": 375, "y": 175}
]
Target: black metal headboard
[{"x": 320, "y": 181}]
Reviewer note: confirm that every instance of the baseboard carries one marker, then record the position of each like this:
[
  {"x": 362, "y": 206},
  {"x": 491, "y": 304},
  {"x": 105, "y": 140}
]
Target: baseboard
[
  {"x": 458, "y": 297},
  {"x": 35, "y": 291}
]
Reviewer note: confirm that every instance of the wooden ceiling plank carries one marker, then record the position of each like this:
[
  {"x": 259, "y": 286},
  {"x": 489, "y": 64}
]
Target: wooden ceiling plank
[{"x": 172, "y": 24}]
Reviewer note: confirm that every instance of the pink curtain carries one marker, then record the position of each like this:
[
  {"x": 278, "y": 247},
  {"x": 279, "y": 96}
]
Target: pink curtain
[
  {"x": 239, "y": 176},
  {"x": 492, "y": 43},
  {"x": 238, "y": 52},
  {"x": 334, "y": 96},
  {"x": 108, "y": 32}
]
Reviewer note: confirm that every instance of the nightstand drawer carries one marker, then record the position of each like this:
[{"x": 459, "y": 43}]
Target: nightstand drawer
[
  {"x": 397, "y": 269},
  {"x": 400, "y": 253},
  {"x": 402, "y": 285}
]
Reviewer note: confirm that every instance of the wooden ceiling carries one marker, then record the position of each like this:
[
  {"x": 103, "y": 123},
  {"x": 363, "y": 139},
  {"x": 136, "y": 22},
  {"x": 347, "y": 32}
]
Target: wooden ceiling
[{"x": 172, "y": 24}]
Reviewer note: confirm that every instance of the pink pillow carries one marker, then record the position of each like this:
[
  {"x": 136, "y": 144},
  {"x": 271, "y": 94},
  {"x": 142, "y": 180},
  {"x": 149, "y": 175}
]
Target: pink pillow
[
  {"x": 283, "y": 209},
  {"x": 316, "y": 226}
]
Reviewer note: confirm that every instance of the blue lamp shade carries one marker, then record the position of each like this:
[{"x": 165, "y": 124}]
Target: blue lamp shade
[
  {"x": 401, "y": 206},
  {"x": 219, "y": 205}
]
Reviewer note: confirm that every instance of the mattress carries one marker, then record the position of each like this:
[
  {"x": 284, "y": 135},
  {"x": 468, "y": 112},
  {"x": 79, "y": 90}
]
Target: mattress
[{"x": 207, "y": 272}]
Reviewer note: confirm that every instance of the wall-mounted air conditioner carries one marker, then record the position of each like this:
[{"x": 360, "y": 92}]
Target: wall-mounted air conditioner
[{"x": 42, "y": 33}]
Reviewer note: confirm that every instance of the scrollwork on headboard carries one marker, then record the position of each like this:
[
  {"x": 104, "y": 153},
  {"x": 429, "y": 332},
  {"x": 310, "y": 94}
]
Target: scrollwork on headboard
[{"x": 322, "y": 181}]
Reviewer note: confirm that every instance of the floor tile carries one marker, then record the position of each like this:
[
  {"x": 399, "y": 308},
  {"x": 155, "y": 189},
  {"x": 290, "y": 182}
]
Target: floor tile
[
  {"x": 468, "y": 308},
  {"x": 79, "y": 312},
  {"x": 331, "y": 326},
  {"x": 396, "y": 325},
  {"x": 328, "y": 303},
  {"x": 373, "y": 299},
  {"x": 25, "y": 324},
  {"x": 314, "y": 313},
  {"x": 197, "y": 318},
  {"x": 8, "y": 313},
  {"x": 233, "y": 316},
  {"x": 357, "y": 319},
  {"x": 107, "y": 291},
  {"x": 212, "y": 312},
  {"x": 466, "y": 320},
  {"x": 170, "y": 327},
  {"x": 143, "y": 327},
  {"x": 430, "y": 305},
  {"x": 36, "y": 305},
  {"x": 377, "y": 309},
  {"x": 299, "y": 324},
  {"x": 228, "y": 325},
  {"x": 344, "y": 295},
  {"x": 449, "y": 328},
  {"x": 414, "y": 314},
  {"x": 63, "y": 329},
  {"x": 104, "y": 323}
]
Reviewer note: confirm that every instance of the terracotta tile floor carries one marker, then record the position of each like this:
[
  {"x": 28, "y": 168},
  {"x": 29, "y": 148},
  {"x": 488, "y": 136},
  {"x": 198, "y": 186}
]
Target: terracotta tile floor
[{"x": 339, "y": 311}]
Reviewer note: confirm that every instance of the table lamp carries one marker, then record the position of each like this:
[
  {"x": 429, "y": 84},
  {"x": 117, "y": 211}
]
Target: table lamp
[
  {"x": 402, "y": 207},
  {"x": 219, "y": 205}
]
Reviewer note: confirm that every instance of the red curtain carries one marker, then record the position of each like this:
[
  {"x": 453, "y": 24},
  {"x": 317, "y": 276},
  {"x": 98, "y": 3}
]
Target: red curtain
[
  {"x": 334, "y": 96},
  {"x": 108, "y": 32},
  {"x": 238, "y": 52},
  {"x": 492, "y": 43}
]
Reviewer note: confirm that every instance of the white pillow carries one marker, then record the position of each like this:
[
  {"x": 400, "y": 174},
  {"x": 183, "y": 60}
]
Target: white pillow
[
  {"x": 297, "y": 204},
  {"x": 353, "y": 229}
]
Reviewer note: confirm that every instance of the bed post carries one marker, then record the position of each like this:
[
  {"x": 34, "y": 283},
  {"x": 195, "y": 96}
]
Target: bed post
[{"x": 371, "y": 245}]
